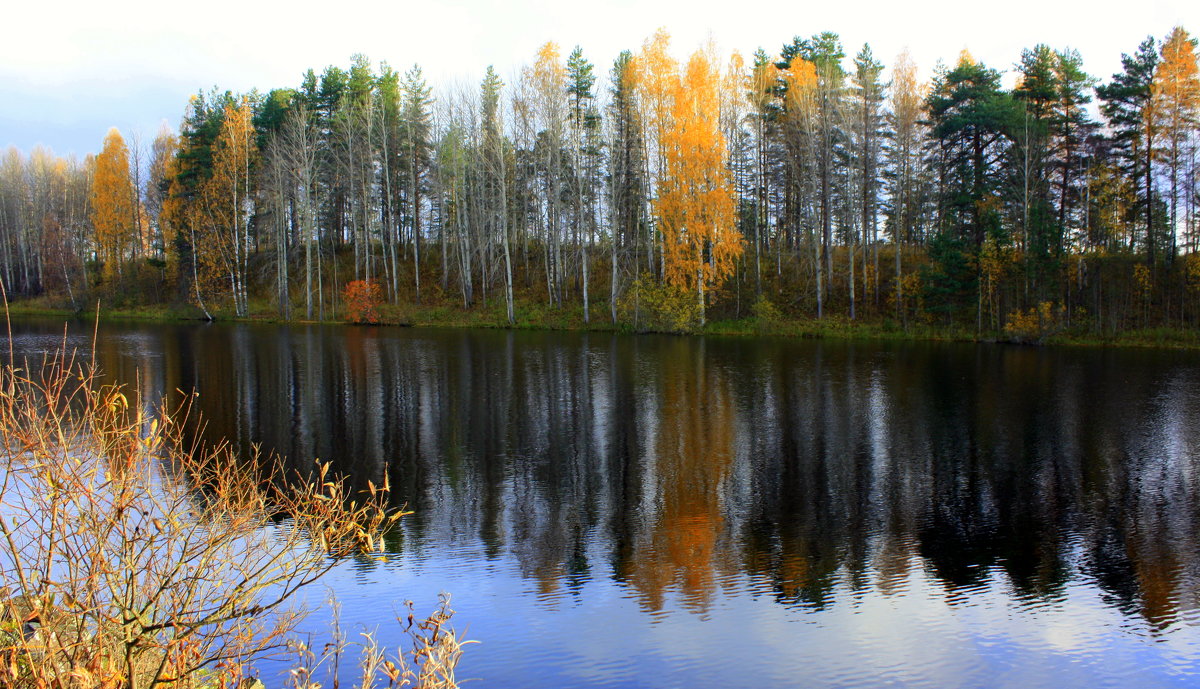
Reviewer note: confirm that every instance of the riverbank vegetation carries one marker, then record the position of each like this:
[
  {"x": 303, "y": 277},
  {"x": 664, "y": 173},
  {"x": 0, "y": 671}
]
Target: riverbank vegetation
[
  {"x": 131, "y": 558},
  {"x": 793, "y": 192}
]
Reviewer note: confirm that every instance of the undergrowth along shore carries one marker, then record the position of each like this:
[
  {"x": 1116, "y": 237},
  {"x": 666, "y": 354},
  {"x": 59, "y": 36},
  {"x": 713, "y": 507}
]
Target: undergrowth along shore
[
  {"x": 537, "y": 316},
  {"x": 131, "y": 558}
]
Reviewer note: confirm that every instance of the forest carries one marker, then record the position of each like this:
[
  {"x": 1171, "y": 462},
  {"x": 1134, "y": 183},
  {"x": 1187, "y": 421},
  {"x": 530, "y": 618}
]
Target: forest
[{"x": 653, "y": 193}]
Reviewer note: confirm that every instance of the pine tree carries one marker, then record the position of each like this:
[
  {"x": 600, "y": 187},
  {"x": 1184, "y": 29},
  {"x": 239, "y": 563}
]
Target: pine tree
[
  {"x": 584, "y": 120},
  {"x": 1126, "y": 104},
  {"x": 867, "y": 130},
  {"x": 416, "y": 157},
  {"x": 627, "y": 183},
  {"x": 970, "y": 116},
  {"x": 1070, "y": 125},
  {"x": 1032, "y": 159},
  {"x": 824, "y": 51},
  {"x": 494, "y": 158},
  {"x": 390, "y": 177},
  {"x": 762, "y": 93}
]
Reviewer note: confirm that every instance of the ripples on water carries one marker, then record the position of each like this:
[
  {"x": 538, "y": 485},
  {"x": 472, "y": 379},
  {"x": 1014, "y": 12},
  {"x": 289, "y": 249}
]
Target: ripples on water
[{"x": 682, "y": 512}]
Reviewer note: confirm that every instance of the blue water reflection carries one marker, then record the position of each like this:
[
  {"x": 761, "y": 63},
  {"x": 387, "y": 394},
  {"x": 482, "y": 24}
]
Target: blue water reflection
[{"x": 613, "y": 511}]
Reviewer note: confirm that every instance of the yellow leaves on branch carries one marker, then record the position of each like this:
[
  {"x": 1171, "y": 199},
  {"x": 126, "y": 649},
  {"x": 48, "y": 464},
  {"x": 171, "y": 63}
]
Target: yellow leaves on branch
[
  {"x": 908, "y": 93},
  {"x": 1175, "y": 95},
  {"x": 803, "y": 105},
  {"x": 1175, "y": 90},
  {"x": 657, "y": 74},
  {"x": 549, "y": 68},
  {"x": 548, "y": 79},
  {"x": 226, "y": 202},
  {"x": 1036, "y": 323},
  {"x": 763, "y": 77},
  {"x": 694, "y": 204}
]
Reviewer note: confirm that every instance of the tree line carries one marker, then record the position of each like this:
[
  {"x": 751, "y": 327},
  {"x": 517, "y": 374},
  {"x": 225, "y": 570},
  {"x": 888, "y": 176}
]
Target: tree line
[{"x": 797, "y": 183}]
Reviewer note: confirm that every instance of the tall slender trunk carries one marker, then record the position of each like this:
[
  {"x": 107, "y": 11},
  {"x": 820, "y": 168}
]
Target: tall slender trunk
[
  {"x": 818, "y": 259},
  {"x": 1149, "y": 198},
  {"x": 320, "y": 281},
  {"x": 196, "y": 274},
  {"x": 508, "y": 280},
  {"x": 308, "y": 277},
  {"x": 612, "y": 294}
]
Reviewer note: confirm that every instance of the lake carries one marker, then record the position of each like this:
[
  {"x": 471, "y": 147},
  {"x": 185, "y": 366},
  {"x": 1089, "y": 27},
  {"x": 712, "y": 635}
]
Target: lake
[{"x": 657, "y": 511}]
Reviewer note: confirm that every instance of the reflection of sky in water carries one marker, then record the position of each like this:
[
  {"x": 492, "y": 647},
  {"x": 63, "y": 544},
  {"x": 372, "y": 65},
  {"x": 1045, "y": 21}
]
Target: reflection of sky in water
[
  {"x": 618, "y": 511},
  {"x": 919, "y": 635},
  {"x": 78, "y": 339}
]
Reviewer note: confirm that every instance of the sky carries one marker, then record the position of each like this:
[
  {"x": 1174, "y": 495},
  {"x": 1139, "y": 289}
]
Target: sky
[{"x": 71, "y": 70}]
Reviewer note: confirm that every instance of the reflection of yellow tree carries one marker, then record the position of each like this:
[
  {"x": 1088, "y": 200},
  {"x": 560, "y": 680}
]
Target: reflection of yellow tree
[
  {"x": 1157, "y": 568},
  {"x": 695, "y": 452},
  {"x": 892, "y": 564}
]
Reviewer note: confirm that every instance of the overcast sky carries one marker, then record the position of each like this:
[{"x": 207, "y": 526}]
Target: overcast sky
[{"x": 68, "y": 73}]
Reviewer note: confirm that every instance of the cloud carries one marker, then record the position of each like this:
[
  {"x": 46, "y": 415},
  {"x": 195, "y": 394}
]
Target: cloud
[{"x": 111, "y": 58}]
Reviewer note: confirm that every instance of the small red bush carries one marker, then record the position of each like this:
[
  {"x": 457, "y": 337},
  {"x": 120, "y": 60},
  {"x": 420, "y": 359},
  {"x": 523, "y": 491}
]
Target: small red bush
[{"x": 362, "y": 298}]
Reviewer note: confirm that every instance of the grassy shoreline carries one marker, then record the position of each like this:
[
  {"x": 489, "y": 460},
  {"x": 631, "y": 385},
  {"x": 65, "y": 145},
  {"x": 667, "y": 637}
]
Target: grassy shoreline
[{"x": 541, "y": 317}]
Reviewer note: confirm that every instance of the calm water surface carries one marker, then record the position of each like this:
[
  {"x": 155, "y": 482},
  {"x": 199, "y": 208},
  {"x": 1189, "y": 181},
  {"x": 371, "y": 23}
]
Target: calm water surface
[{"x": 613, "y": 511}]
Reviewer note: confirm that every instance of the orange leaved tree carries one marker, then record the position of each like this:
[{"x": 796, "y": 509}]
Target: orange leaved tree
[
  {"x": 226, "y": 207},
  {"x": 1175, "y": 109},
  {"x": 694, "y": 204}
]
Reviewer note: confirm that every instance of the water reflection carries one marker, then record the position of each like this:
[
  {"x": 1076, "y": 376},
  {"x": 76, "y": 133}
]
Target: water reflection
[
  {"x": 808, "y": 474},
  {"x": 677, "y": 461}
]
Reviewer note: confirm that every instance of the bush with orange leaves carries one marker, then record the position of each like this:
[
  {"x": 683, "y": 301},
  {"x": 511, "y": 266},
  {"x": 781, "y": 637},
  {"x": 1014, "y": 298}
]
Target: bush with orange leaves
[{"x": 362, "y": 298}]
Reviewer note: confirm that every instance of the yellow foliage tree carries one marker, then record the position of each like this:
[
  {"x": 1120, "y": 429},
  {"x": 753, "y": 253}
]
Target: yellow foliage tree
[
  {"x": 657, "y": 76},
  {"x": 801, "y": 80},
  {"x": 113, "y": 204},
  {"x": 227, "y": 204},
  {"x": 161, "y": 172},
  {"x": 1175, "y": 106},
  {"x": 547, "y": 83},
  {"x": 694, "y": 204}
]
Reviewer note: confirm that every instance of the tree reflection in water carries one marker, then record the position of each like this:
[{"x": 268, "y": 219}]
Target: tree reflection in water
[{"x": 673, "y": 465}]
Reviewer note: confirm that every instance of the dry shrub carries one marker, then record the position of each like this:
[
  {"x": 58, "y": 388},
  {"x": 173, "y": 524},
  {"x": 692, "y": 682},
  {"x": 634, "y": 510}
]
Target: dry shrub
[
  {"x": 132, "y": 559},
  {"x": 430, "y": 663}
]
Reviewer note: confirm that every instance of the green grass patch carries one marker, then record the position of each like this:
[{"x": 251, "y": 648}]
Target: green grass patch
[{"x": 535, "y": 314}]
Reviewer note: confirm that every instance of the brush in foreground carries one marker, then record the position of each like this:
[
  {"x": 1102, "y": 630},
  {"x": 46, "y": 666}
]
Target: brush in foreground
[{"x": 132, "y": 559}]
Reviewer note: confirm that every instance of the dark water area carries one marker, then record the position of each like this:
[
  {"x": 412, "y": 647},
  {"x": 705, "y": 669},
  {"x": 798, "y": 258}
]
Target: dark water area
[{"x": 643, "y": 511}]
